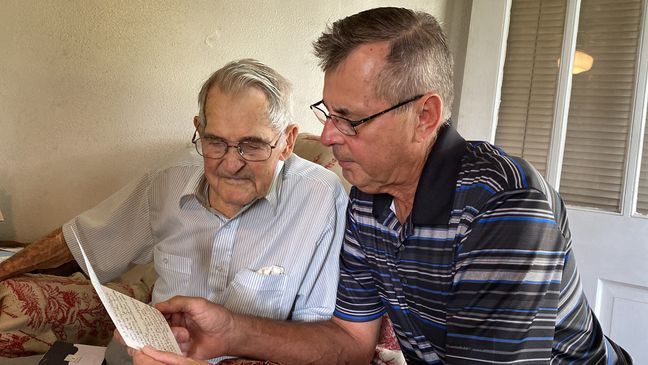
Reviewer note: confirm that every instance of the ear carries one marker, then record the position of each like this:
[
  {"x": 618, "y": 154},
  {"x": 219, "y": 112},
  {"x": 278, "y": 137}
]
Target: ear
[
  {"x": 291, "y": 132},
  {"x": 430, "y": 117},
  {"x": 196, "y": 121}
]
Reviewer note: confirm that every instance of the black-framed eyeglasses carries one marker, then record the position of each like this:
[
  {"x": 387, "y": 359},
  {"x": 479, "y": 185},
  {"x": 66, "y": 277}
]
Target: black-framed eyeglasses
[
  {"x": 348, "y": 126},
  {"x": 216, "y": 148}
]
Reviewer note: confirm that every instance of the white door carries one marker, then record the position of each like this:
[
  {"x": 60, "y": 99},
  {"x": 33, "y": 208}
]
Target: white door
[{"x": 612, "y": 256}]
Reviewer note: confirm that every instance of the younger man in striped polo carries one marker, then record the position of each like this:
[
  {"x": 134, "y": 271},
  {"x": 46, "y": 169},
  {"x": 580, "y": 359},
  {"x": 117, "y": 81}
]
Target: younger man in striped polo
[{"x": 465, "y": 247}]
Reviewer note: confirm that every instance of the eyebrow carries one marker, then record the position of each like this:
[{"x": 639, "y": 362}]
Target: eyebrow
[
  {"x": 342, "y": 112},
  {"x": 244, "y": 139}
]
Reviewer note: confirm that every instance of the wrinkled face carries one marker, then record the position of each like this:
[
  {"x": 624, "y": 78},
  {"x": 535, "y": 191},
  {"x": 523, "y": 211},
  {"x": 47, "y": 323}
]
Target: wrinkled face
[
  {"x": 233, "y": 118},
  {"x": 376, "y": 157}
]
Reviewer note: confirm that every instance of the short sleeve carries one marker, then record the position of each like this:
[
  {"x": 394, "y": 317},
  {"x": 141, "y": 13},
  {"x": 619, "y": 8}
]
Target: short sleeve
[
  {"x": 116, "y": 233},
  {"x": 316, "y": 297},
  {"x": 358, "y": 299}
]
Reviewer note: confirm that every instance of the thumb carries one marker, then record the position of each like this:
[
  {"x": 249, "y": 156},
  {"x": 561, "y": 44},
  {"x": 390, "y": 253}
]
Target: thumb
[{"x": 165, "y": 357}]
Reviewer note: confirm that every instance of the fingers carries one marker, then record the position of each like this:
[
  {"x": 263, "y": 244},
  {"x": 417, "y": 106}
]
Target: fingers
[
  {"x": 167, "y": 357},
  {"x": 183, "y": 311},
  {"x": 172, "y": 305},
  {"x": 176, "y": 319},
  {"x": 118, "y": 337},
  {"x": 139, "y": 358},
  {"x": 181, "y": 334},
  {"x": 180, "y": 304}
]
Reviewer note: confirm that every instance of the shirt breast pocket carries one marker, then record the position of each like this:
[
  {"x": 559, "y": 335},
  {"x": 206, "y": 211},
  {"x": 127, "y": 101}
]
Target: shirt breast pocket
[
  {"x": 173, "y": 271},
  {"x": 256, "y": 294}
]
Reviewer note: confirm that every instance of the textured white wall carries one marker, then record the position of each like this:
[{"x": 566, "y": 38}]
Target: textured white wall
[{"x": 94, "y": 92}]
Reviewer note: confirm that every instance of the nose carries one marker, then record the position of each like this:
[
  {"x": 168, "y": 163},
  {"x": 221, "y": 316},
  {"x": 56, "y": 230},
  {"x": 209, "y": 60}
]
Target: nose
[
  {"x": 232, "y": 161},
  {"x": 330, "y": 134}
]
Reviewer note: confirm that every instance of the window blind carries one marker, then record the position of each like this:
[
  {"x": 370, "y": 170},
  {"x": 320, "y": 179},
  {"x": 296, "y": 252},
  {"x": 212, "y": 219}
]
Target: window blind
[
  {"x": 598, "y": 127},
  {"x": 600, "y": 112},
  {"x": 529, "y": 81}
]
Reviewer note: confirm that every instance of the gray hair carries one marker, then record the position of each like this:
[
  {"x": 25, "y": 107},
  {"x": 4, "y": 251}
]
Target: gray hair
[
  {"x": 240, "y": 75},
  {"x": 419, "y": 60}
]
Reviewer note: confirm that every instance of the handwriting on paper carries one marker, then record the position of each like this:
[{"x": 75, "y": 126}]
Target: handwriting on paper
[{"x": 138, "y": 323}]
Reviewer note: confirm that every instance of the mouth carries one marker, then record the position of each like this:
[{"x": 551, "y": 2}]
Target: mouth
[
  {"x": 345, "y": 164},
  {"x": 234, "y": 180},
  {"x": 342, "y": 161}
]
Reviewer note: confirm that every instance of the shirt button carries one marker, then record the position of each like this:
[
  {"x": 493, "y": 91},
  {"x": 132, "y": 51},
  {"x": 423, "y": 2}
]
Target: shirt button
[
  {"x": 404, "y": 281},
  {"x": 219, "y": 268},
  {"x": 166, "y": 261}
]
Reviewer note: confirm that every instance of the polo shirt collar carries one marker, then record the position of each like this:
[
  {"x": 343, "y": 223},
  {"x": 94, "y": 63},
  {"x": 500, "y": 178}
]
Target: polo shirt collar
[{"x": 436, "y": 186}]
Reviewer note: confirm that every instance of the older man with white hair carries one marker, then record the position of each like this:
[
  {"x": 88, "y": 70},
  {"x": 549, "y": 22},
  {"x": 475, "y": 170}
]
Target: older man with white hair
[{"x": 250, "y": 226}]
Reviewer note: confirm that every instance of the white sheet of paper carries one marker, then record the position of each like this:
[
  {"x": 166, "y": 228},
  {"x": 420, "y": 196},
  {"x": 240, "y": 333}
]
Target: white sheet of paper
[
  {"x": 138, "y": 323},
  {"x": 87, "y": 355},
  {"x": 11, "y": 249},
  {"x": 7, "y": 252}
]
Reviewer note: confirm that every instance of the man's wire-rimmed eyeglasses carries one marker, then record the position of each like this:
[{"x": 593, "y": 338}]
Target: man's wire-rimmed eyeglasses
[
  {"x": 348, "y": 126},
  {"x": 216, "y": 148}
]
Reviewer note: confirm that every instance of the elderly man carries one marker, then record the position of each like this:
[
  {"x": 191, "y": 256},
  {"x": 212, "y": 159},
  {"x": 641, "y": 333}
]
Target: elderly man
[
  {"x": 466, "y": 248},
  {"x": 251, "y": 226}
]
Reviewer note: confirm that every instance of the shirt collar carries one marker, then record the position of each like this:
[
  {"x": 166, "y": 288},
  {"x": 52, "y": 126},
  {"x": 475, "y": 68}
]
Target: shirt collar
[
  {"x": 274, "y": 193},
  {"x": 436, "y": 186},
  {"x": 197, "y": 187}
]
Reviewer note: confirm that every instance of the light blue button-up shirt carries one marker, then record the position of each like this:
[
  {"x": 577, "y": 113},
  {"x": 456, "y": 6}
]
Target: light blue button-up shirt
[{"x": 164, "y": 216}]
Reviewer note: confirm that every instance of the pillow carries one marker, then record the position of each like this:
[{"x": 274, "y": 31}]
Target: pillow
[
  {"x": 309, "y": 147},
  {"x": 388, "y": 350},
  {"x": 36, "y": 310}
]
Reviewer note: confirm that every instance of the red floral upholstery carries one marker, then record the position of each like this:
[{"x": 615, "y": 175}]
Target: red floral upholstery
[
  {"x": 388, "y": 350},
  {"x": 37, "y": 310},
  {"x": 309, "y": 147}
]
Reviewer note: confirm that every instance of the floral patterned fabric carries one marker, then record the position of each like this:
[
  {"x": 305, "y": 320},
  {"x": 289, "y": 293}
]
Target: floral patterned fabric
[
  {"x": 309, "y": 147},
  {"x": 37, "y": 310},
  {"x": 388, "y": 350}
]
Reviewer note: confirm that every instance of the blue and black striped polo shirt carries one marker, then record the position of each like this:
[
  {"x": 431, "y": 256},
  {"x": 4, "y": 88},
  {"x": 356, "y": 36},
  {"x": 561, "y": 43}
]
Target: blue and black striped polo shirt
[{"x": 482, "y": 271}]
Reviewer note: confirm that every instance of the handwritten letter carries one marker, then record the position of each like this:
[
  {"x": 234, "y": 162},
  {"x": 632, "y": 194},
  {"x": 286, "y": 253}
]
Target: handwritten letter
[{"x": 138, "y": 323}]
